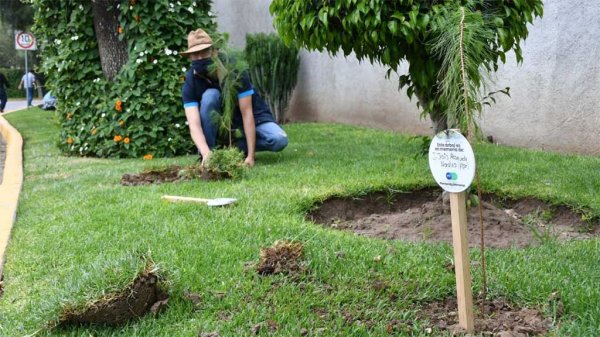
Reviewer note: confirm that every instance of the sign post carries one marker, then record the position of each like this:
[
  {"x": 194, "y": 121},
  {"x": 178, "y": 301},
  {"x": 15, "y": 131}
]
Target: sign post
[
  {"x": 452, "y": 164},
  {"x": 25, "y": 41}
]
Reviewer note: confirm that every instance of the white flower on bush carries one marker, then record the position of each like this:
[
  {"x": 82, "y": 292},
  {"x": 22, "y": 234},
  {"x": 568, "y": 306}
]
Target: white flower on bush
[
  {"x": 103, "y": 115},
  {"x": 190, "y": 9},
  {"x": 74, "y": 38},
  {"x": 177, "y": 125},
  {"x": 138, "y": 61},
  {"x": 80, "y": 7},
  {"x": 194, "y": 3},
  {"x": 78, "y": 103},
  {"x": 57, "y": 41},
  {"x": 141, "y": 54},
  {"x": 168, "y": 51},
  {"x": 183, "y": 69},
  {"x": 155, "y": 61},
  {"x": 174, "y": 52},
  {"x": 170, "y": 139}
]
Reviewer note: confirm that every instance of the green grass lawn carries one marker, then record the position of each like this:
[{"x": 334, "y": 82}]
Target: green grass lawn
[{"x": 80, "y": 234}]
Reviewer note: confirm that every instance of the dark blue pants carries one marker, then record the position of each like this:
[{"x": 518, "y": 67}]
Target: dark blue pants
[{"x": 3, "y": 99}]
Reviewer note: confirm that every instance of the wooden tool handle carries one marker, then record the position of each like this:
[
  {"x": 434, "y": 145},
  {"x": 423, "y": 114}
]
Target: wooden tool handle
[{"x": 174, "y": 198}]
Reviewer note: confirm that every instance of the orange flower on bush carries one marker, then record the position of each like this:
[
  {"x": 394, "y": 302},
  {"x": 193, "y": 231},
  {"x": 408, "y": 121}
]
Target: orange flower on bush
[
  {"x": 137, "y": 18},
  {"x": 148, "y": 157},
  {"x": 120, "y": 30},
  {"x": 132, "y": 2},
  {"x": 94, "y": 131},
  {"x": 126, "y": 140},
  {"x": 121, "y": 122},
  {"x": 117, "y": 138},
  {"x": 69, "y": 115},
  {"x": 69, "y": 140},
  {"x": 118, "y": 106}
]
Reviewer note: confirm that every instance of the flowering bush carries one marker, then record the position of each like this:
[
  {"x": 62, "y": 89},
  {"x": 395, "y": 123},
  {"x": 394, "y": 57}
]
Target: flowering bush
[{"x": 139, "y": 113}]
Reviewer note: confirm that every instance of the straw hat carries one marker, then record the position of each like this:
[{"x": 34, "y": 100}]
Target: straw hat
[{"x": 197, "y": 40}]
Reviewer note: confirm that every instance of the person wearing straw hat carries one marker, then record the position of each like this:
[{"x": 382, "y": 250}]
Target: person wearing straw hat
[{"x": 201, "y": 96}]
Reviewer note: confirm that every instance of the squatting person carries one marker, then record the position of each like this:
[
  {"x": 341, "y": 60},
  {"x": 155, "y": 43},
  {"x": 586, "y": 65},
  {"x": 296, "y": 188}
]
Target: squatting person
[{"x": 201, "y": 96}]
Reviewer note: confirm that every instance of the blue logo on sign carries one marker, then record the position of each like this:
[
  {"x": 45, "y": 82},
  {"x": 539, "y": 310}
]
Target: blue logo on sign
[{"x": 451, "y": 176}]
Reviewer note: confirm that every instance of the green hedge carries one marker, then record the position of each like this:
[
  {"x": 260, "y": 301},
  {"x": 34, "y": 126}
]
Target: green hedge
[
  {"x": 274, "y": 70},
  {"x": 139, "y": 113},
  {"x": 14, "y": 77}
]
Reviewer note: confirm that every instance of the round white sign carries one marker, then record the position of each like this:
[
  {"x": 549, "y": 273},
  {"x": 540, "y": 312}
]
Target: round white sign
[
  {"x": 451, "y": 161},
  {"x": 25, "y": 41}
]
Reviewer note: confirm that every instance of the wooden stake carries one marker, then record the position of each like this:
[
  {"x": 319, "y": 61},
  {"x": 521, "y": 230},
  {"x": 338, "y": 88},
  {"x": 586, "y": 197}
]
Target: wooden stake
[{"x": 458, "y": 209}]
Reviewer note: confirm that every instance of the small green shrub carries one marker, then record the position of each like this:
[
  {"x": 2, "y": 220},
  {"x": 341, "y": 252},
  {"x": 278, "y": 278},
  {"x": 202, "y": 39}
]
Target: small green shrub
[
  {"x": 273, "y": 69},
  {"x": 225, "y": 163}
]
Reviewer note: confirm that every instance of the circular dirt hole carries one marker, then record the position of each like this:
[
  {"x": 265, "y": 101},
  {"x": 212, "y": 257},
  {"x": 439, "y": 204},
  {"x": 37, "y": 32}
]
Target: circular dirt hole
[{"x": 424, "y": 215}]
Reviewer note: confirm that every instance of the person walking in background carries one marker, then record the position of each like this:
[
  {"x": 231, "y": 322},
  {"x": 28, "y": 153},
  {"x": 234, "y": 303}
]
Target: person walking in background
[
  {"x": 28, "y": 81},
  {"x": 3, "y": 96}
]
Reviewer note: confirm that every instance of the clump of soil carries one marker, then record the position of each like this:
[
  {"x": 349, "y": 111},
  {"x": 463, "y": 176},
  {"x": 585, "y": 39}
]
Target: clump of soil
[
  {"x": 155, "y": 176},
  {"x": 500, "y": 319},
  {"x": 282, "y": 257},
  {"x": 172, "y": 174},
  {"x": 424, "y": 216},
  {"x": 143, "y": 295}
]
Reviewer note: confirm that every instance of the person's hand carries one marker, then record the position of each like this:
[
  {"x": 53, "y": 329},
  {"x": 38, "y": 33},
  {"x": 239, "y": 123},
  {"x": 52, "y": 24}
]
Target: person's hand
[
  {"x": 249, "y": 161},
  {"x": 205, "y": 157}
]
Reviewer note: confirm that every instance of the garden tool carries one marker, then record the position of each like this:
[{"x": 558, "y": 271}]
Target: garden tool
[{"x": 208, "y": 202}]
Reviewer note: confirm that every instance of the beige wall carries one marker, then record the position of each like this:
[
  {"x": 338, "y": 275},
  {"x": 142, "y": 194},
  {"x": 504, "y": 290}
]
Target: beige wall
[{"x": 555, "y": 102}]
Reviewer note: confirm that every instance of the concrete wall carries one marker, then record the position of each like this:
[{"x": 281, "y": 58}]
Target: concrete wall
[{"x": 555, "y": 102}]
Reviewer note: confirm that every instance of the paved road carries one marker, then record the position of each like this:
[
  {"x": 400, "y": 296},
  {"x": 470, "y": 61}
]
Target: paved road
[{"x": 18, "y": 104}]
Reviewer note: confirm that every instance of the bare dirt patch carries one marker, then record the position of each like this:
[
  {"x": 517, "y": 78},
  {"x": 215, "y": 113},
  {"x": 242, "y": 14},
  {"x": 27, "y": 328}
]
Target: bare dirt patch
[
  {"x": 424, "y": 216},
  {"x": 142, "y": 296},
  {"x": 171, "y": 174},
  {"x": 500, "y": 319}
]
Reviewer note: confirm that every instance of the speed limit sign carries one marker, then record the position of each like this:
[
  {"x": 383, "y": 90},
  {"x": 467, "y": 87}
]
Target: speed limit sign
[{"x": 25, "y": 41}]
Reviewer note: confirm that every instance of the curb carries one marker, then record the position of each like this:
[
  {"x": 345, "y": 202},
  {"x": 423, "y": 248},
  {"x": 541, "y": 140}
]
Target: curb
[{"x": 11, "y": 184}]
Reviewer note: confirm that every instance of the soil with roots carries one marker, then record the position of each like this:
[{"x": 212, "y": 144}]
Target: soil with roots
[
  {"x": 171, "y": 174},
  {"x": 141, "y": 297},
  {"x": 424, "y": 215}
]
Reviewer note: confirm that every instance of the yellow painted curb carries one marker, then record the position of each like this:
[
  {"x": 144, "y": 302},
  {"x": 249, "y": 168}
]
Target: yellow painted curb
[{"x": 11, "y": 183}]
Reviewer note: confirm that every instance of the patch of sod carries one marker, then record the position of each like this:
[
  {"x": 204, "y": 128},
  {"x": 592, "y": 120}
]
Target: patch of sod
[{"x": 80, "y": 233}]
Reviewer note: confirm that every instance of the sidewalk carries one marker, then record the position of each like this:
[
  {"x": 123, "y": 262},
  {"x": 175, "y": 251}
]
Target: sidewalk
[{"x": 15, "y": 104}]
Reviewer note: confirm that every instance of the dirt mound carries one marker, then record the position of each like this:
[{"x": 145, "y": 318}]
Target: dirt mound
[
  {"x": 500, "y": 319},
  {"x": 155, "y": 176},
  {"x": 282, "y": 257},
  {"x": 424, "y": 216},
  {"x": 143, "y": 295},
  {"x": 172, "y": 174}
]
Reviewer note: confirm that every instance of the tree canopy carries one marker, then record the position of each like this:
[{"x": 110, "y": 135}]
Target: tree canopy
[{"x": 389, "y": 32}]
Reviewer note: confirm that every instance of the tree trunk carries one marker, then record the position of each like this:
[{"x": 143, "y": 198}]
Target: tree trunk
[
  {"x": 113, "y": 53},
  {"x": 439, "y": 120}
]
